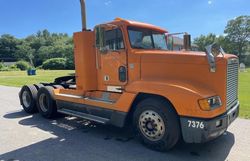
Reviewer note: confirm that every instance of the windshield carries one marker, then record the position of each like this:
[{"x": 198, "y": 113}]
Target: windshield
[{"x": 141, "y": 38}]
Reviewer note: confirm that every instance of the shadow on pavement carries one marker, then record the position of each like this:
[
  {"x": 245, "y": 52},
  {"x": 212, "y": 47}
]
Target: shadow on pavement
[{"x": 77, "y": 139}]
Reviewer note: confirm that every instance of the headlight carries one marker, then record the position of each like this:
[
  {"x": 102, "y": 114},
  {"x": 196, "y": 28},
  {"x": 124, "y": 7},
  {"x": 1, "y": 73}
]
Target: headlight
[{"x": 210, "y": 103}]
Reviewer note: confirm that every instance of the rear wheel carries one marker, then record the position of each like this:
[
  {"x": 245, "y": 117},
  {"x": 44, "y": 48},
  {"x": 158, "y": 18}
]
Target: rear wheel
[
  {"x": 46, "y": 103},
  {"x": 156, "y": 124},
  {"x": 38, "y": 86},
  {"x": 28, "y": 97}
]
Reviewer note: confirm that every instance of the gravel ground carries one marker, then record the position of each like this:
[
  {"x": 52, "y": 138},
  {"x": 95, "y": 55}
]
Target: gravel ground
[{"x": 26, "y": 137}]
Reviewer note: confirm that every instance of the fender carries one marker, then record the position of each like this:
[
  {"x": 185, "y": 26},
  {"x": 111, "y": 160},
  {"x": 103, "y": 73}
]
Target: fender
[{"x": 183, "y": 95}]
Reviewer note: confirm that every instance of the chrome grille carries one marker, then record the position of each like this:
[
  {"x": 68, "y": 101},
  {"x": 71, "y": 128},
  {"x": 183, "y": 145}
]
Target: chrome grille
[{"x": 232, "y": 82}]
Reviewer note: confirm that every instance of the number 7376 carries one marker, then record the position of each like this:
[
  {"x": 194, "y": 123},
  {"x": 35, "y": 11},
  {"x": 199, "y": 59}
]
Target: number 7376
[{"x": 196, "y": 124}]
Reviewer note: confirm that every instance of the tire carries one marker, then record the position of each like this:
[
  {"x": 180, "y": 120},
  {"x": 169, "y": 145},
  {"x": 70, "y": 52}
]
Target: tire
[
  {"x": 38, "y": 86},
  {"x": 46, "y": 103},
  {"x": 156, "y": 124},
  {"x": 28, "y": 98}
]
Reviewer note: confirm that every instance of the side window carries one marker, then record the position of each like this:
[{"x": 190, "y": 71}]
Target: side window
[{"x": 114, "y": 39}]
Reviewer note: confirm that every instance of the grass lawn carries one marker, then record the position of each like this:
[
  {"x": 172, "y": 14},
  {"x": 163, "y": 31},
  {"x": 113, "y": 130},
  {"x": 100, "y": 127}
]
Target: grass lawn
[
  {"x": 244, "y": 94},
  {"x": 20, "y": 78}
]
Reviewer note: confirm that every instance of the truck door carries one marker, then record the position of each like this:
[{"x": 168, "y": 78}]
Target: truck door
[{"x": 112, "y": 61}]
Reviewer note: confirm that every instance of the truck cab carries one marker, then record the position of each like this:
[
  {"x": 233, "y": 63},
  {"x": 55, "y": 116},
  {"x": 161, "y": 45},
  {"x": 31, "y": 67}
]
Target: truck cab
[{"x": 125, "y": 74}]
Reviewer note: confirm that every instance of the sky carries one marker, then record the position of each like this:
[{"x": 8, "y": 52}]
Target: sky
[{"x": 25, "y": 17}]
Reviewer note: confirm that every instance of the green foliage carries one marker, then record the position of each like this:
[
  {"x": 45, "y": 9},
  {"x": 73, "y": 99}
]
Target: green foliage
[
  {"x": 24, "y": 51},
  {"x": 202, "y": 41},
  {"x": 236, "y": 40},
  {"x": 22, "y": 65},
  {"x": 39, "y": 67},
  {"x": 4, "y": 68},
  {"x": 247, "y": 60},
  {"x": 8, "y": 47},
  {"x": 70, "y": 64},
  {"x": 1, "y": 65},
  {"x": 55, "y": 64},
  {"x": 8, "y": 68},
  {"x": 37, "y": 48},
  {"x": 13, "y": 68},
  {"x": 238, "y": 33}
]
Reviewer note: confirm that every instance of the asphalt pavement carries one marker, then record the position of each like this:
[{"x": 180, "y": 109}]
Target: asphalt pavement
[{"x": 26, "y": 137}]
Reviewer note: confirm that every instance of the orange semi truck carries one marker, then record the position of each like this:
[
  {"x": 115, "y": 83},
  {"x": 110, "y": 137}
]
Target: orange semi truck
[{"x": 124, "y": 74}]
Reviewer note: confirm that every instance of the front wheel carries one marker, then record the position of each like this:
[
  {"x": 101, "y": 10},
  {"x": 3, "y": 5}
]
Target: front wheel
[{"x": 156, "y": 124}]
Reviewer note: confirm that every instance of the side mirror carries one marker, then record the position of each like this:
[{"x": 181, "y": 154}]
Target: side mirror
[
  {"x": 212, "y": 52},
  {"x": 215, "y": 49}
]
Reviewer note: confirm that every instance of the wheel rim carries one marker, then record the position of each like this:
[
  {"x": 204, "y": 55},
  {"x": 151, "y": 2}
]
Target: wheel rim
[
  {"x": 151, "y": 125},
  {"x": 43, "y": 102},
  {"x": 26, "y": 99}
]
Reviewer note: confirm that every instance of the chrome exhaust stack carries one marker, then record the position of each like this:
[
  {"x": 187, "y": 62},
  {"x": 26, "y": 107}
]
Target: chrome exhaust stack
[
  {"x": 83, "y": 13},
  {"x": 187, "y": 41}
]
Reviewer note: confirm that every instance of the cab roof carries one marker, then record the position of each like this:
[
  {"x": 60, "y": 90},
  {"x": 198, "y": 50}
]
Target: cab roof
[{"x": 138, "y": 24}]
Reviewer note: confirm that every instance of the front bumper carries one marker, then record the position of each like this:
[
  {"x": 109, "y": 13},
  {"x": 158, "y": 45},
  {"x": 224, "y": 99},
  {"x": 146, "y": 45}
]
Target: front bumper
[{"x": 196, "y": 130}]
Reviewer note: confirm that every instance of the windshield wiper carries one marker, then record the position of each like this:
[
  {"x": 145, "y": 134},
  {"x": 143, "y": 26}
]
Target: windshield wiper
[{"x": 139, "y": 47}]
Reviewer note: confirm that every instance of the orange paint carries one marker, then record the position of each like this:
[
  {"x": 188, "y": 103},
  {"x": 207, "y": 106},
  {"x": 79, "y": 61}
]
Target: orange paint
[{"x": 182, "y": 77}]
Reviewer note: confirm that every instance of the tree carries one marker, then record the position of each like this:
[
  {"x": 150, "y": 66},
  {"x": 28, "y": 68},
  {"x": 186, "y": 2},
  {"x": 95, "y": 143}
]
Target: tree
[
  {"x": 24, "y": 51},
  {"x": 226, "y": 44},
  {"x": 8, "y": 46},
  {"x": 238, "y": 33},
  {"x": 202, "y": 41},
  {"x": 38, "y": 48}
]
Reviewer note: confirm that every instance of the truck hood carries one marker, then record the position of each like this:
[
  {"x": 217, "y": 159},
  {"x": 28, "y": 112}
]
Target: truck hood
[
  {"x": 186, "y": 69},
  {"x": 179, "y": 57}
]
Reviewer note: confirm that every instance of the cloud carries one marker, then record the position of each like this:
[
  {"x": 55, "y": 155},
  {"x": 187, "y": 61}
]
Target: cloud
[
  {"x": 108, "y": 3},
  {"x": 209, "y": 2}
]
